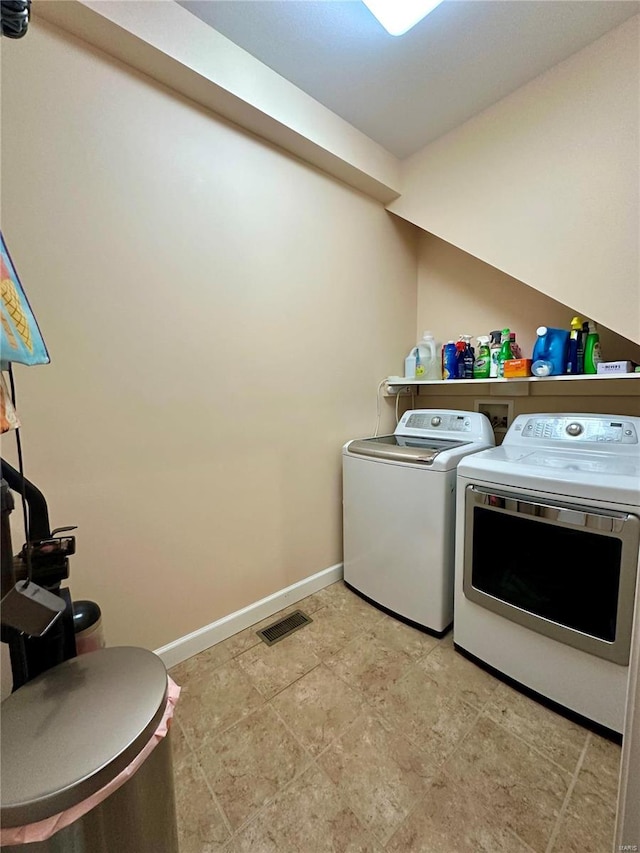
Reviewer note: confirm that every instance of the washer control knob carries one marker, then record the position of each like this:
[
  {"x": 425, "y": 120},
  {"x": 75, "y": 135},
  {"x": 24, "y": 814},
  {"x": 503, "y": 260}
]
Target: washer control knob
[
  {"x": 436, "y": 421},
  {"x": 574, "y": 429}
]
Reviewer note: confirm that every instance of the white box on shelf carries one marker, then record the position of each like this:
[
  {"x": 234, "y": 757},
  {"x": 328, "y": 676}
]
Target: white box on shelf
[{"x": 613, "y": 367}]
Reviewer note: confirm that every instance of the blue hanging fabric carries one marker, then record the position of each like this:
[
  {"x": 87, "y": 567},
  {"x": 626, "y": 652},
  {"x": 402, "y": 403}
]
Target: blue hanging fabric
[{"x": 20, "y": 338}]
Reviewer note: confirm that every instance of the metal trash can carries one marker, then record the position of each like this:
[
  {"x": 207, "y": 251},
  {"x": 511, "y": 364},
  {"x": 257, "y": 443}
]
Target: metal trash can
[
  {"x": 69, "y": 733},
  {"x": 87, "y": 626}
]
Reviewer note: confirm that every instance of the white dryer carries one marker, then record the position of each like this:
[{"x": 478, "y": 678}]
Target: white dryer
[
  {"x": 399, "y": 513},
  {"x": 548, "y": 539}
]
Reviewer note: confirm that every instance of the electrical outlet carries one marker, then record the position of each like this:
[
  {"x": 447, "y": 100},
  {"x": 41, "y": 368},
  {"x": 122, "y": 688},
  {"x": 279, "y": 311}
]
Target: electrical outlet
[{"x": 403, "y": 390}]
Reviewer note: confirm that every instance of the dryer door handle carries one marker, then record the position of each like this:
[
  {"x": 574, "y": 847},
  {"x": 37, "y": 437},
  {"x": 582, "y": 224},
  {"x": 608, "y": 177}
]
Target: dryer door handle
[{"x": 570, "y": 515}]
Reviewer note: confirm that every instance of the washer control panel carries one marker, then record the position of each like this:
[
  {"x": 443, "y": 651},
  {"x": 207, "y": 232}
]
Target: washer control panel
[
  {"x": 580, "y": 428},
  {"x": 445, "y": 422}
]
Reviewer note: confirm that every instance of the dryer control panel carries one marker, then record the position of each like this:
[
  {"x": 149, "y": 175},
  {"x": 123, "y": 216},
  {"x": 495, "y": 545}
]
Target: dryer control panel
[{"x": 604, "y": 429}]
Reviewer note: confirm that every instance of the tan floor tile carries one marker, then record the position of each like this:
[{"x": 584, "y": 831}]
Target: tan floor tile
[
  {"x": 446, "y": 641},
  {"x": 526, "y": 790},
  {"x": 249, "y": 763},
  {"x": 331, "y": 630},
  {"x": 272, "y": 668},
  {"x": 307, "y": 816},
  {"x": 199, "y": 666},
  {"x": 311, "y": 604},
  {"x": 555, "y": 736},
  {"x": 601, "y": 768},
  {"x": 419, "y": 701},
  {"x": 216, "y": 702},
  {"x": 446, "y": 821},
  {"x": 357, "y": 607},
  {"x": 458, "y": 677},
  {"x": 415, "y": 707},
  {"x": 318, "y": 708},
  {"x": 369, "y": 664},
  {"x": 588, "y": 825},
  {"x": 201, "y": 827},
  {"x": 379, "y": 775},
  {"x": 338, "y": 594},
  {"x": 179, "y": 746},
  {"x": 368, "y": 618},
  {"x": 245, "y": 640},
  {"x": 397, "y": 635},
  {"x": 248, "y": 638},
  {"x": 340, "y": 597}
]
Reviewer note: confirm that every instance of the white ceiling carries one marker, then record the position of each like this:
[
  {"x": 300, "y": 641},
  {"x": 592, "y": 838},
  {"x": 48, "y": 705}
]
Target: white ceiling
[{"x": 405, "y": 91}]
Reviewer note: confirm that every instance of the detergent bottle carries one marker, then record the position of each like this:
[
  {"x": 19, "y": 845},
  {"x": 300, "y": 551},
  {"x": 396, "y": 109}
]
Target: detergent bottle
[
  {"x": 482, "y": 364},
  {"x": 426, "y": 358},
  {"x": 468, "y": 356},
  {"x": 550, "y": 352},
  {"x": 575, "y": 358},
  {"x": 450, "y": 360},
  {"x": 592, "y": 353}
]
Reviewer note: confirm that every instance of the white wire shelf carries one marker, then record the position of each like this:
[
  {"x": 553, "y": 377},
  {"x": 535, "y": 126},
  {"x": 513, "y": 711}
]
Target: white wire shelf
[{"x": 581, "y": 377}]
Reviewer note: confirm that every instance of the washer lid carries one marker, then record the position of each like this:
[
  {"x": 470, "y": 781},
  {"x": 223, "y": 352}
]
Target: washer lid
[
  {"x": 403, "y": 448},
  {"x": 75, "y": 727}
]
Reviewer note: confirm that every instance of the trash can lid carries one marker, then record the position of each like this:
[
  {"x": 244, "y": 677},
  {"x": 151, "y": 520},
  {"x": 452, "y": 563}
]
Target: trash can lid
[{"x": 74, "y": 728}]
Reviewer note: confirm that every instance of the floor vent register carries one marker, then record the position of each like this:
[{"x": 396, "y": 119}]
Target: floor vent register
[{"x": 283, "y": 627}]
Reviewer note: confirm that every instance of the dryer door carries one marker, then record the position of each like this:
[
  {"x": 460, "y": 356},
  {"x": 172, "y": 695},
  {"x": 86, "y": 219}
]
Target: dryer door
[{"x": 565, "y": 571}]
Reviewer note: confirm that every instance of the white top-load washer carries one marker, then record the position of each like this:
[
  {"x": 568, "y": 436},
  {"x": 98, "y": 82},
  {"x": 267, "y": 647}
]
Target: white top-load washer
[
  {"x": 399, "y": 513},
  {"x": 548, "y": 541}
]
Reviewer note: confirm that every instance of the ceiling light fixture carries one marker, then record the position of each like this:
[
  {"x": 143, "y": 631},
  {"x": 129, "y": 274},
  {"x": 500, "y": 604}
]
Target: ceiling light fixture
[{"x": 398, "y": 16}]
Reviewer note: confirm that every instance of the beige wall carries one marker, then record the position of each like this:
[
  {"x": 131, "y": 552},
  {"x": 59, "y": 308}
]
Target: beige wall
[
  {"x": 614, "y": 399},
  {"x": 169, "y": 44},
  {"x": 544, "y": 184},
  {"x": 219, "y": 316},
  {"x": 460, "y": 294}
]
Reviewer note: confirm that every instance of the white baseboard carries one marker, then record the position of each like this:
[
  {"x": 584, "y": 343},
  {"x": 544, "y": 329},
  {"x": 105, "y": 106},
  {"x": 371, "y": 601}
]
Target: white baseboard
[{"x": 191, "y": 644}]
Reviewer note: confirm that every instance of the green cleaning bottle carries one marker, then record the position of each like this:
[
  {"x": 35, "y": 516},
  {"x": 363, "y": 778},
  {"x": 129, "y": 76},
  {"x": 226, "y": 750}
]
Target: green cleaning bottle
[
  {"x": 505, "y": 354},
  {"x": 592, "y": 354},
  {"x": 482, "y": 364},
  {"x": 494, "y": 349}
]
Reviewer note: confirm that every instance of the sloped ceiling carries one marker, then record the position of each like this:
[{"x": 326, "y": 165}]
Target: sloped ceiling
[
  {"x": 577, "y": 185},
  {"x": 404, "y": 92},
  {"x": 533, "y": 188}
]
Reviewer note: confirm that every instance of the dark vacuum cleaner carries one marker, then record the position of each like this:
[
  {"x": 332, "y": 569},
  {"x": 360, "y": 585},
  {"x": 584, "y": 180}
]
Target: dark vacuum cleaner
[{"x": 34, "y": 650}]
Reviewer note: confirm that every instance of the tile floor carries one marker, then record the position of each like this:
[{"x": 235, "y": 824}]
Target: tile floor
[{"x": 358, "y": 733}]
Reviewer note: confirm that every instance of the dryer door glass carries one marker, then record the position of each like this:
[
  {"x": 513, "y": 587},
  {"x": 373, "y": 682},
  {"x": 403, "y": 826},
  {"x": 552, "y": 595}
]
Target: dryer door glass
[{"x": 560, "y": 574}]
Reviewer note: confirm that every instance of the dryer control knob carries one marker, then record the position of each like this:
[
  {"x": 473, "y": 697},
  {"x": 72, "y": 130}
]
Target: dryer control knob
[
  {"x": 574, "y": 429},
  {"x": 436, "y": 421}
]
